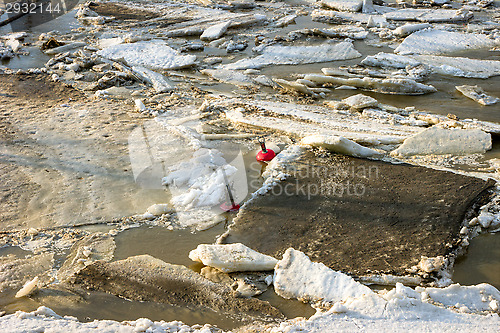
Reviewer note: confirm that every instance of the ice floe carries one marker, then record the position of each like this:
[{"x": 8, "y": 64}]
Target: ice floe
[
  {"x": 339, "y": 145},
  {"x": 343, "y": 5},
  {"x": 334, "y": 17},
  {"x": 230, "y": 76},
  {"x": 429, "y": 15},
  {"x": 154, "y": 55},
  {"x": 157, "y": 80},
  {"x": 455, "y": 66},
  {"x": 439, "y": 42},
  {"x": 440, "y": 141},
  {"x": 314, "y": 120},
  {"x": 215, "y": 31},
  {"x": 477, "y": 94},
  {"x": 232, "y": 258},
  {"x": 295, "y": 55},
  {"x": 386, "y": 86}
]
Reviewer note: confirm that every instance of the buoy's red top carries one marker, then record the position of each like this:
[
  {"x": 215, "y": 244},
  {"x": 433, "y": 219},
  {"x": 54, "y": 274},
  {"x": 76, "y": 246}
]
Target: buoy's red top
[
  {"x": 265, "y": 155},
  {"x": 229, "y": 207}
]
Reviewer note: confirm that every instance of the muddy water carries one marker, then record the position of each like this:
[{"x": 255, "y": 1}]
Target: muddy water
[{"x": 482, "y": 262}]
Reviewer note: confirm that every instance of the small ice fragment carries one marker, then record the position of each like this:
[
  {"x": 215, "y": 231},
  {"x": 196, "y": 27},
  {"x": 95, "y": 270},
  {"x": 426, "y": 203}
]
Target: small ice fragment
[
  {"x": 27, "y": 288},
  {"x": 139, "y": 105},
  {"x": 485, "y": 219},
  {"x": 232, "y": 258},
  {"x": 159, "y": 209},
  {"x": 215, "y": 32},
  {"x": 360, "y": 101},
  {"x": 408, "y": 29},
  {"x": 339, "y": 144},
  {"x": 494, "y": 305}
]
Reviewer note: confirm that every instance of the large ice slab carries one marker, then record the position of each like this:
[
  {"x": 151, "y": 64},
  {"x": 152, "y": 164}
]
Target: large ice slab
[
  {"x": 393, "y": 86},
  {"x": 438, "y": 141},
  {"x": 150, "y": 54},
  {"x": 343, "y": 5},
  {"x": 232, "y": 258},
  {"x": 304, "y": 120},
  {"x": 429, "y": 15},
  {"x": 439, "y": 42},
  {"x": 295, "y": 55},
  {"x": 454, "y": 66},
  {"x": 334, "y": 17}
]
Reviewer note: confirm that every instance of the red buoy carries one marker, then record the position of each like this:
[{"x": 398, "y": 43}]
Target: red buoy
[
  {"x": 265, "y": 155},
  {"x": 230, "y": 207}
]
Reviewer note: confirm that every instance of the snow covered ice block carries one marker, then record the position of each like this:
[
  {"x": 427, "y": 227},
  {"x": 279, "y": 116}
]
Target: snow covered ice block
[
  {"x": 343, "y": 5},
  {"x": 454, "y": 66},
  {"x": 477, "y": 94},
  {"x": 150, "y": 54},
  {"x": 296, "y": 55},
  {"x": 215, "y": 31},
  {"x": 295, "y": 276},
  {"x": 440, "y": 42},
  {"x": 157, "y": 80},
  {"x": 360, "y": 101},
  {"x": 439, "y": 141},
  {"x": 429, "y": 15},
  {"x": 339, "y": 145},
  {"x": 232, "y": 258}
]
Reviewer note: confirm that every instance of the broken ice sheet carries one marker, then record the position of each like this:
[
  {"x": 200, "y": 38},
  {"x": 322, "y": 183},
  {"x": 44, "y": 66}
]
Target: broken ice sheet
[
  {"x": 455, "y": 66},
  {"x": 477, "y": 94},
  {"x": 441, "y": 42},
  {"x": 295, "y": 55},
  {"x": 438, "y": 141},
  {"x": 429, "y": 15},
  {"x": 151, "y": 54}
]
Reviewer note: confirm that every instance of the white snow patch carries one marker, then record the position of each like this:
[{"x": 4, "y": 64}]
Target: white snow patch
[
  {"x": 46, "y": 320},
  {"x": 232, "y": 258},
  {"x": 230, "y": 76},
  {"x": 151, "y": 54}
]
